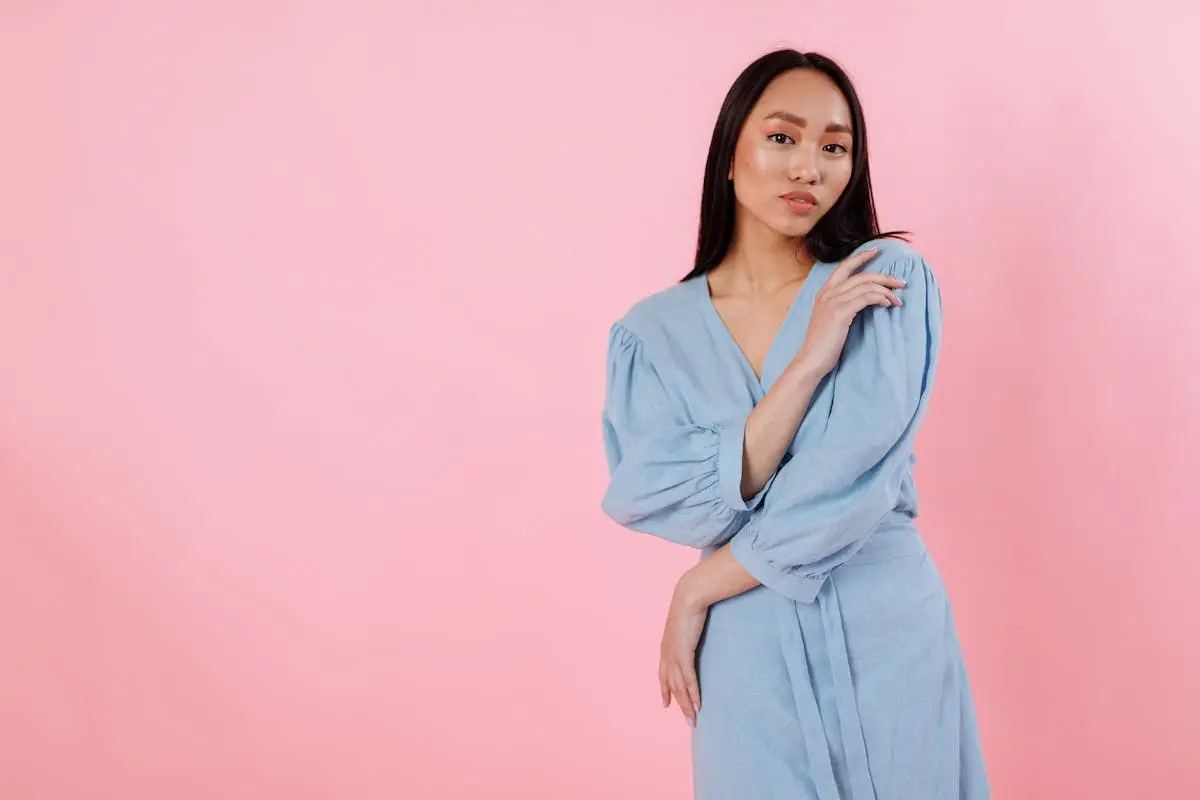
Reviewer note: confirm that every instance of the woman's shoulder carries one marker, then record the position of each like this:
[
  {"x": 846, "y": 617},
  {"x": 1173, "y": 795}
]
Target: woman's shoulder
[
  {"x": 896, "y": 257},
  {"x": 657, "y": 314}
]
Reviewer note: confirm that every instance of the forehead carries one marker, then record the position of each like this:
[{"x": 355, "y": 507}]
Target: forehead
[{"x": 804, "y": 93}]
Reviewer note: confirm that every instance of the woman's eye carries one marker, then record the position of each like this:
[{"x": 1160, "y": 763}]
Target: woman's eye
[
  {"x": 780, "y": 138},
  {"x": 840, "y": 148}
]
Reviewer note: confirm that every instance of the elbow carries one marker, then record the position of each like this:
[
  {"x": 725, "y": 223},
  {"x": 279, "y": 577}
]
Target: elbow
[
  {"x": 614, "y": 509},
  {"x": 624, "y": 509},
  {"x": 625, "y": 504},
  {"x": 687, "y": 527}
]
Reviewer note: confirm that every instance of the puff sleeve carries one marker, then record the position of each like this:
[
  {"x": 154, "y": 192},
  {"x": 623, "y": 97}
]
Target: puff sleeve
[{"x": 669, "y": 476}]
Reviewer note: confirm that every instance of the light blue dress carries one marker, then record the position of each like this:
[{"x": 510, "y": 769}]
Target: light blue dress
[{"x": 841, "y": 677}]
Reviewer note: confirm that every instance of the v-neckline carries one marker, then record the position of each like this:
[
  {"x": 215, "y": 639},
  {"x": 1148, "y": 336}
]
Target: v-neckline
[{"x": 760, "y": 381}]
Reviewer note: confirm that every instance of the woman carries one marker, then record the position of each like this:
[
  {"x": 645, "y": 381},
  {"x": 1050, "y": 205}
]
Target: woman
[{"x": 764, "y": 410}]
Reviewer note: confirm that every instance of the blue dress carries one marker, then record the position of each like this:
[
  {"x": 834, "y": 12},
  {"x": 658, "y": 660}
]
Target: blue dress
[{"x": 841, "y": 676}]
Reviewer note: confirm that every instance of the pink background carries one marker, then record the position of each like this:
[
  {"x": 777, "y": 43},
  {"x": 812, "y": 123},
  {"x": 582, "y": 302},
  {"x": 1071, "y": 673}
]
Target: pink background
[{"x": 303, "y": 309}]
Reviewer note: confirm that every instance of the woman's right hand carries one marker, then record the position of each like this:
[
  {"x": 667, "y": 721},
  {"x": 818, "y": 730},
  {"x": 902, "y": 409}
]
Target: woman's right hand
[{"x": 836, "y": 305}]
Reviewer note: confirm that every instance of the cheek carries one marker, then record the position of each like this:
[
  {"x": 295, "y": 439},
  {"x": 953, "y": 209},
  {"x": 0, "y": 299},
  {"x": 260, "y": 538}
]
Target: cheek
[
  {"x": 758, "y": 162},
  {"x": 757, "y": 173},
  {"x": 838, "y": 176},
  {"x": 769, "y": 160}
]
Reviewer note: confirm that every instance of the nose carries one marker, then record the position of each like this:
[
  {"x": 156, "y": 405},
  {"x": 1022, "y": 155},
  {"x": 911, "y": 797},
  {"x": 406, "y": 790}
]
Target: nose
[{"x": 803, "y": 166}]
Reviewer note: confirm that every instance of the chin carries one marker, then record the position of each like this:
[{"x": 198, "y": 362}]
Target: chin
[{"x": 795, "y": 227}]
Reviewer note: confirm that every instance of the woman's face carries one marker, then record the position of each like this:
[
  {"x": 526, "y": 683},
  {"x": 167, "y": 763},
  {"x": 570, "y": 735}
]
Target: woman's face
[{"x": 794, "y": 156}]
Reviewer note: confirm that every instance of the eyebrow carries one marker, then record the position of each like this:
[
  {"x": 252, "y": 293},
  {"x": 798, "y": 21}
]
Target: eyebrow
[{"x": 801, "y": 122}]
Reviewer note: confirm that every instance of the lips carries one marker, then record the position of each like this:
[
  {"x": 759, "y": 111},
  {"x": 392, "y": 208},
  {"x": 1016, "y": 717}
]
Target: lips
[
  {"x": 801, "y": 197},
  {"x": 802, "y": 203}
]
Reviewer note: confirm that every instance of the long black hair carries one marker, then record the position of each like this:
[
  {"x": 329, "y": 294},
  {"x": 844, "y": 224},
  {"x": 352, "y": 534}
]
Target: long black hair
[{"x": 849, "y": 223}]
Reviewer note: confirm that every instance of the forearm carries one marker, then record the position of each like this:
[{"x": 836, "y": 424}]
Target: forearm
[
  {"x": 772, "y": 425},
  {"x": 714, "y": 579}
]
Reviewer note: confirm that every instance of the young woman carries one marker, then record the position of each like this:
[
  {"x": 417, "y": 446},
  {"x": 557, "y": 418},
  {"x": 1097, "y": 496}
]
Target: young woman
[{"x": 764, "y": 410}]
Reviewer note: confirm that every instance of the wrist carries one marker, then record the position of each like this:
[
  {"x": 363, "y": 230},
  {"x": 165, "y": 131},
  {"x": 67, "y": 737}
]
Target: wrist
[
  {"x": 804, "y": 370},
  {"x": 689, "y": 591}
]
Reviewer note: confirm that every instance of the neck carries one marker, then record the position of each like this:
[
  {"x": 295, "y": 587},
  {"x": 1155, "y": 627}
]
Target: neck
[{"x": 761, "y": 261}]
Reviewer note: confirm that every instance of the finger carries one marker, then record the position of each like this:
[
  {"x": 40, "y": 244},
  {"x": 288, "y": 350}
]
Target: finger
[
  {"x": 664, "y": 690},
  {"x": 833, "y": 295},
  {"x": 865, "y": 279},
  {"x": 847, "y": 310},
  {"x": 845, "y": 269},
  {"x": 679, "y": 687},
  {"x": 857, "y": 301},
  {"x": 693, "y": 688},
  {"x": 880, "y": 278},
  {"x": 678, "y": 692}
]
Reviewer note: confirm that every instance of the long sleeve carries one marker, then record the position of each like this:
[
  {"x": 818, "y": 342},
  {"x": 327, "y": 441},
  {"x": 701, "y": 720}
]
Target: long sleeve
[
  {"x": 669, "y": 476},
  {"x": 845, "y": 480}
]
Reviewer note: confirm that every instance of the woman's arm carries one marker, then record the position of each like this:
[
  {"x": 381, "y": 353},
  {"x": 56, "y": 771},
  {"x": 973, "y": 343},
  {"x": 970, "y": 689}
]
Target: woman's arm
[
  {"x": 712, "y": 580},
  {"x": 772, "y": 425},
  {"x": 698, "y": 483},
  {"x": 716, "y": 578},
  {"x": 669, "y": 476},
  {"x": 723, "y": 575},
  {"x": 824, "y": 504}
]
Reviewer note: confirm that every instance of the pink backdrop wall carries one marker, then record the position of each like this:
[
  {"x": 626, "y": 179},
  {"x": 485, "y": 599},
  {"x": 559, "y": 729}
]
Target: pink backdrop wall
[{"x": 302, "y": 318}]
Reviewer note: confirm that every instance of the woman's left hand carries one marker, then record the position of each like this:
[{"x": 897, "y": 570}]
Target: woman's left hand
[{"x": 677, "y": 662}]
